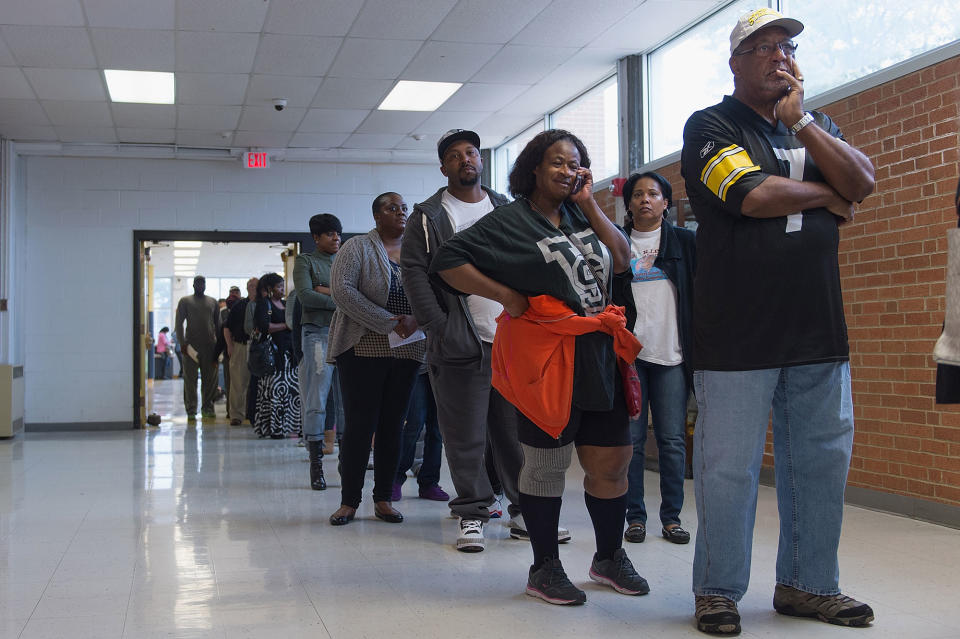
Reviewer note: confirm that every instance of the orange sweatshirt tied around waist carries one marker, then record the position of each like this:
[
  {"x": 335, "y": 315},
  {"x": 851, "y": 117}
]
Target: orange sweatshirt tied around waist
[{"x": 533, "y": 357}]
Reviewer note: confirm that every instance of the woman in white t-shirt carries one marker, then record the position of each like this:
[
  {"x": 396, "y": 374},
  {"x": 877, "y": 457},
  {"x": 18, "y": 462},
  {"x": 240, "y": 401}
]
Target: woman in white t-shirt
[{"x": 658, "y": 304}]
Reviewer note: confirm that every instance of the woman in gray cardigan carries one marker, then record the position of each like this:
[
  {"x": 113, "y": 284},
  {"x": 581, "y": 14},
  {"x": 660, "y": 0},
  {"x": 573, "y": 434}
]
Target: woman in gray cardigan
[{"x": 377, "y": 371}]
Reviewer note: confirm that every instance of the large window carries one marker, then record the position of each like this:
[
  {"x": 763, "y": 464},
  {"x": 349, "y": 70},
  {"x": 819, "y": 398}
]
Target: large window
[
  {"x": 593, "y": 118},
  {"x": 506, "y": 155},
  {"x": 844, "y": 41},
  {"x": 689, "y": 73}
]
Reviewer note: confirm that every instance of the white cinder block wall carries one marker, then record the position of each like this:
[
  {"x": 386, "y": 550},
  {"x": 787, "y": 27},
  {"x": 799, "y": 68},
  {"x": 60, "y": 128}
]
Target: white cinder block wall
[{"x": 80, "y": 214}]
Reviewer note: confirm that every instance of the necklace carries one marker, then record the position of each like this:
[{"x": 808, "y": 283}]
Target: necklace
[{"x": 544, "y": 215}]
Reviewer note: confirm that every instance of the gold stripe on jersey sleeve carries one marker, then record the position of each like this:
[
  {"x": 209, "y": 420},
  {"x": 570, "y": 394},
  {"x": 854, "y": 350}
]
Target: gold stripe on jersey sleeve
[{"x": 725, "y": 168}]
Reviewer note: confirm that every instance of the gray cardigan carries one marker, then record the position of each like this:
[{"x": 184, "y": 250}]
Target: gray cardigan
[{"x": 360, "y": 283}]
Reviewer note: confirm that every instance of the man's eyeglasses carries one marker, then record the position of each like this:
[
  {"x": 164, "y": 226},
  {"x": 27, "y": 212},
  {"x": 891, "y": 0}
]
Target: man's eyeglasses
[{"x": 787, "y": 47}]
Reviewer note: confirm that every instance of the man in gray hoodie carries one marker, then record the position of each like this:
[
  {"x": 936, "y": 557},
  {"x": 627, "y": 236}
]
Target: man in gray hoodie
[{"x": 460, "y": 330}]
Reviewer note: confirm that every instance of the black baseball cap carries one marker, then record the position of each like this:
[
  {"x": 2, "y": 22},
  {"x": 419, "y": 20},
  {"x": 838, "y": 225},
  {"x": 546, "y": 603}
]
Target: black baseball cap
[{"x": 455, "y": 135}]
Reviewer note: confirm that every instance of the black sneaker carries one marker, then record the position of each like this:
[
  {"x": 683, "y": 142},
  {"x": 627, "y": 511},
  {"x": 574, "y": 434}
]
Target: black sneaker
[
  {"x": 836, "y": 609},
  {"x": 717, "y": 615},
  {"x": 551, "y": 584},
  {"x": 619, "y": 574}
]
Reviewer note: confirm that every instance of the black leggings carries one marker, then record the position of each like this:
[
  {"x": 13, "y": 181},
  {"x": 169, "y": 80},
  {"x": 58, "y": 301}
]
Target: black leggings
[{"x": 376, "y": 393}]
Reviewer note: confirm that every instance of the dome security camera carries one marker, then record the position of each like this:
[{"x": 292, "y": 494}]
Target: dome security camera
[{"x": 279, "y": 103}]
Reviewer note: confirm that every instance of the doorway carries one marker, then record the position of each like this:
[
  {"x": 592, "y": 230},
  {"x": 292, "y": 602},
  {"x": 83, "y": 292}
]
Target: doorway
[{"x": 155, "y": 306}]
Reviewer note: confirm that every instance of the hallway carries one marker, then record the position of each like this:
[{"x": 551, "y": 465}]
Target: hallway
[{"x": 207, "y": 531}]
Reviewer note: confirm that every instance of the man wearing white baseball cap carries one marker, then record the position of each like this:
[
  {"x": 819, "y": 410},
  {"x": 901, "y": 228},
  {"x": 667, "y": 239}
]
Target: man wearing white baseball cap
[{"x": 770, "y": 184}]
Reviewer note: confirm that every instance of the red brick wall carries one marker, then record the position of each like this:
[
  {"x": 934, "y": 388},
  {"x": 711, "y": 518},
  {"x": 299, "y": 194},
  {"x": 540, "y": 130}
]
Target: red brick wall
[{"x": 892, "y": 263}]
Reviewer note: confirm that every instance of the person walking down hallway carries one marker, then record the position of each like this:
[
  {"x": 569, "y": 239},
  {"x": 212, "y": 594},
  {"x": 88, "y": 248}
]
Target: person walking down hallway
[
  {"x": 278, "y": 394},
  {"x": 237, "y": 338},
  {"x": 198, "y": 345},
  {"x": 770, "y": 185},
  {"x": 311, "y": 278},
  {"x": 374, "y": 340}
]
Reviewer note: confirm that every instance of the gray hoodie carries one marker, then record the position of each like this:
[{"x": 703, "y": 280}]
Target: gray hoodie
[{"x": 452, "y": 338}]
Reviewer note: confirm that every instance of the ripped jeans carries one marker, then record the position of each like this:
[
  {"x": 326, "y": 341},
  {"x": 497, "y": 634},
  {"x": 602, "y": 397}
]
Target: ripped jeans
[{"x": 316, "y": 375}]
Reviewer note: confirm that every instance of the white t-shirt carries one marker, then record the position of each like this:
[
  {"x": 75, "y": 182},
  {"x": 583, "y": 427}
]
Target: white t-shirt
[
  {"x": 656, "y": 299},
  {"x": 463, "y": 215}
]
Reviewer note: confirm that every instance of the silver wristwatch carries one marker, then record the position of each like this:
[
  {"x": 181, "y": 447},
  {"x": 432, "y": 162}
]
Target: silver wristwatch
[{"x": 802, "y": 122}]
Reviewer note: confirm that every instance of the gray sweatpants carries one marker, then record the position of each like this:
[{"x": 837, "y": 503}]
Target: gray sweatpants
[{"x": 468, "y": 408}]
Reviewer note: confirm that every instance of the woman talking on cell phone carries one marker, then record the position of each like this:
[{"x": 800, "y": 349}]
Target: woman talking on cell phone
[{"x": 550, "y": 257}]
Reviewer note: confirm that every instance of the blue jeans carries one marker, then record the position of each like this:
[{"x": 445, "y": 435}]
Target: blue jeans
[
  {"x": 422, "y": 413},
  {"x": 315, "y": 378},
  {"x": 334, "y": 419},
  {"x": 812, "y": 442},
  {"x": 665, "y": 396}
]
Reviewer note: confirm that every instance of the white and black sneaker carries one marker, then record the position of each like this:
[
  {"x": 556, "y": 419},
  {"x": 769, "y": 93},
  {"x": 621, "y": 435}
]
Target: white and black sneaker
[
  {"x": 518, "y": 530},
  {"x": 471, "y": 535}
]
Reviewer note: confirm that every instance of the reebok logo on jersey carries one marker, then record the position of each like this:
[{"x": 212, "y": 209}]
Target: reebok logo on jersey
[{"x": 706, "y": 149}]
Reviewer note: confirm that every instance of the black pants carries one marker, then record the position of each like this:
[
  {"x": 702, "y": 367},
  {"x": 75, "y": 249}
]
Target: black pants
[{"x": 376, "y": 393}]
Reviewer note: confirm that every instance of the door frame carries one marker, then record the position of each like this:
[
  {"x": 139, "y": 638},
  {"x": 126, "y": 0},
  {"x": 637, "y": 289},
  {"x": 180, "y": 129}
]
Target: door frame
[{"x": 304, "y": 242}]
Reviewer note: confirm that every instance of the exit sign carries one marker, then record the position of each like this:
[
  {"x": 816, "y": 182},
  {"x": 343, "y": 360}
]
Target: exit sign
[{"x": 256, "y": 160}]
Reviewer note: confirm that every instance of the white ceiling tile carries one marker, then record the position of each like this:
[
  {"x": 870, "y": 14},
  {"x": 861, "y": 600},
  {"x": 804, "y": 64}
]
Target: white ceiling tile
[
  {"x": 351, "y": 93},
  {"x": 216, "y": 52},
  {"x": 6, "y": 58},
  {"x": 86, "y": 134},
  {"x": 67, "y": 84},
  {"x": 144, "y": 116},
  {"x": 652, "y": 23},
  {"x": 442, "y": 121},
  {"x": 581, "y": 71},
  {"x": 130, "y": 14},
  {"x": 449, "y": 61},
  {"x": 556, "y": 19},
  {"x": 332, "y": 120},
  {"x": 13, "y": 84},
  {"x": 296, "y": 55},
  {"x": 211, "y": 88},
  {"x": 202, "y": 139},
  {"x": 319, "y": 140},
  {"x": 43, "y": 12},
  {"x": 500, "y": 126},
  {"x": 494, "y": 21},
  {"x": 269, "y": 119},
  {"x": 372, "y": 141},
  {"x": 427, "y": 144},
  {"x": 78, "y": 114},
  {"x": 26, "y": 112},
  {"x": 146, "y": 136},
  {"x": 309, "y": 17},
  {"x": 516, "y": 64},
  {"x": 216, "y": 118},
  {"x": 374, "y": 59},
  {"x": 298, "y": 91},
  {"x": 134, "y": 49},
  {"x": 237, "y": 16},
  {"x": 540, "y": 99},
  {"x": 475, "y": 96},
  {"x": 27, "y": 132},
  {"x": 66, "y": 47},
  {"x": 392, "y": 122},
  {"x": 270, "y": 139},
  {"x": 416, "y": 21}
]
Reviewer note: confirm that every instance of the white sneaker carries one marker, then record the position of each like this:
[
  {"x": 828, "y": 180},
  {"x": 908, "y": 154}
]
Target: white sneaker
[
  {"x": 518, "y": 530},
  {"x": 496, "y": 508},
  {"x": 471, "y": 535}
]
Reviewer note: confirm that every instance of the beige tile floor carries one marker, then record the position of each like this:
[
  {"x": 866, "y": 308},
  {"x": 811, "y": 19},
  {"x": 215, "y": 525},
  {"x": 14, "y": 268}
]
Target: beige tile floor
[{"x": 207, "y": 531}]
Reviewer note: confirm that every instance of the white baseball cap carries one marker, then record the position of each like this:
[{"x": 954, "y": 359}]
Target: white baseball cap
[{"x": 758, "y": 19}]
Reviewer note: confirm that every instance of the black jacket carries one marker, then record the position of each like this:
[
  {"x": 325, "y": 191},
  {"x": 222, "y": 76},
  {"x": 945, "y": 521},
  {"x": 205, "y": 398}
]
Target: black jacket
[
  {"x": 678, "y": 259},
  {"x": 452, "y": 338}
]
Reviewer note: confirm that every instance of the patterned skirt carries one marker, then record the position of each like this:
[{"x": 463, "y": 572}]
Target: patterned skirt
[{"x": 278, "y": 401}]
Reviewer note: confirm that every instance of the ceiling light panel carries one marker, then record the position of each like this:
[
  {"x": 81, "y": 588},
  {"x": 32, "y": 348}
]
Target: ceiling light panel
[
  {"x": 410, "y": 95},
  {"x": 149, "y": 87}
]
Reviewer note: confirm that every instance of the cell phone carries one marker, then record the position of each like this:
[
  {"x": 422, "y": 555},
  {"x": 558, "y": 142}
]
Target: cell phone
[{"x": 577, "y": 185}]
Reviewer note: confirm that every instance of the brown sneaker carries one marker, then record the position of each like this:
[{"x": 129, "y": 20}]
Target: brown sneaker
[
  {"x": 836, "y": 609},
  {"x": 717, "y": 615}
]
